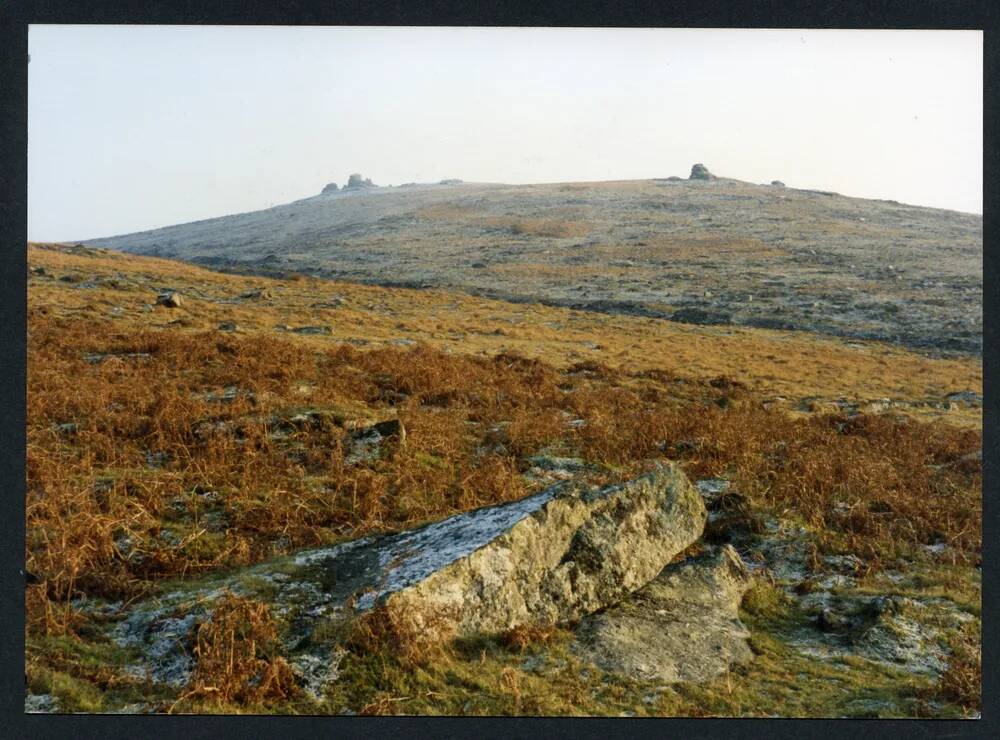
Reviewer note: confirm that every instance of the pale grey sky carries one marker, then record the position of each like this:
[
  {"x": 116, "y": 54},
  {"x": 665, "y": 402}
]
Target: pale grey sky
[{"x": 136, "y": 127}]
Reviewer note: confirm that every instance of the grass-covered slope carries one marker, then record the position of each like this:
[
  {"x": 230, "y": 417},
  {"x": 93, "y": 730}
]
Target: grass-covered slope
[{"x": 162, "y": 449}]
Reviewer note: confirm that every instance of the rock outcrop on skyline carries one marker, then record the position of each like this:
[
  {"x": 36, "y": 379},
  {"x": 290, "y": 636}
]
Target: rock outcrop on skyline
[{"x": 700, "y": 172}]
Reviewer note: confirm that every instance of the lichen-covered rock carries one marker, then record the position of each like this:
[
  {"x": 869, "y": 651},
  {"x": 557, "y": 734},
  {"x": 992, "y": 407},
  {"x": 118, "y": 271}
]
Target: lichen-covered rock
[
  {"x": 552, "y": 557},
  {"x": 683, "y": 626}
]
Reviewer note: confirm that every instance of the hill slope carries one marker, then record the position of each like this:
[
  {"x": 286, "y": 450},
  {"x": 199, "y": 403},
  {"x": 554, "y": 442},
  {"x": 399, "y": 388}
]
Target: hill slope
[
  {"x": 169, "y": 447},
  {"x": 708, "y": 252}
]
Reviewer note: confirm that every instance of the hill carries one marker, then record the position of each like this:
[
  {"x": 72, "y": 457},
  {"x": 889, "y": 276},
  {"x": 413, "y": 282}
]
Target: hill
[
  {"x": 214, "y": 456},
  {"x": 718, "y": 251}
]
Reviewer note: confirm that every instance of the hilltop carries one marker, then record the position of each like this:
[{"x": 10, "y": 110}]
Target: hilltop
[{"x": 704, "y": 251}]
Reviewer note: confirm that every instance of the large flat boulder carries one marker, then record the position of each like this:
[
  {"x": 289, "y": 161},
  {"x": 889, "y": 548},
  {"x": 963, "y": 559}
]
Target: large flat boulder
[
  {"x": 552, "y": 557},
  {"x": 683, "y": 626}
]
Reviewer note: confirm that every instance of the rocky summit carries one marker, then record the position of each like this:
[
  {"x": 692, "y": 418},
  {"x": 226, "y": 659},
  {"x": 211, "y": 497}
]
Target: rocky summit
[{"x": 700, "y": 172}]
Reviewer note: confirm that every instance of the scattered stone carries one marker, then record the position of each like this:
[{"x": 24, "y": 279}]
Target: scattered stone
[
  {"x": 966, "y": 398},
  {"x": 367, "y": 441},
  {"x": 323, "y": 330},
  {"x": 391, "y": 428},
  {"x": 877, "y": 407},
  {"x": 228, "y": 394},
  {"x": 229, "y": 326},
  {"x": 451, "y": 181},
  {"x": 40, "y": 703},
  {"x": 332, "y": 302},
  {"x": 316, "y": 671},
  {"x": 683, "y": 626},
  {"x": 164, "y": 640},
  {"x": 779, "y": 184},
  {"x": 675, "y": 178},
  {"x": 256, "y": 294},
  {"x": 700, "y": 172},
  {"x": 712, "y": 488},
  {"x": 170, "y": 299},
  {"x": 896, "y": 631},
  {"x": 157, "y": 459},
  {"x": 548, "y": 468},
  {"x": 97, "y": 357}
]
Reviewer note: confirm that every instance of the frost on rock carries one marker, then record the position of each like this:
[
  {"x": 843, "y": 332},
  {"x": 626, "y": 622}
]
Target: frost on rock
[
  {"x": 40, "y": 704},
  {"x": 413, "y": 556},
  {"x": 552, "y": 557}
]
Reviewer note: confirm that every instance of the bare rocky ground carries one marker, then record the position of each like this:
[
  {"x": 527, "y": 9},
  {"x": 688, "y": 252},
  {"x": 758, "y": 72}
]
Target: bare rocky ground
[{"x": 698, "y": 251}]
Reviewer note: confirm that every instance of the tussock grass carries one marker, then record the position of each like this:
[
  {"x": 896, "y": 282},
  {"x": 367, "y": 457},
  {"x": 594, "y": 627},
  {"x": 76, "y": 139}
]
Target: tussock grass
[{"x": 236, "y": 654}]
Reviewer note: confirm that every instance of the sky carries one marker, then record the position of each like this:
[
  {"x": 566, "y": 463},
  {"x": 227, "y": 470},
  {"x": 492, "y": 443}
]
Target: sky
[{"x": 137, "y": 127}]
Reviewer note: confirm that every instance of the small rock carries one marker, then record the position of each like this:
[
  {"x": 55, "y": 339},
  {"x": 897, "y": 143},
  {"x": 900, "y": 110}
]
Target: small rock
[
  {"x": 967, "y": 398},
  {"x": 712, "y": 488},
  {"x": 391, "y": 428},
  {"x": 229, "y": 326},
  {"x": 157, "y": 459},
  {"x": 830, "y": 620},
  {"x": 323, "y": 330},
  {"x": 40, "y": 703},
  {"x": 170, "y": 299},
  {"x": 777, "y": 183}
]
